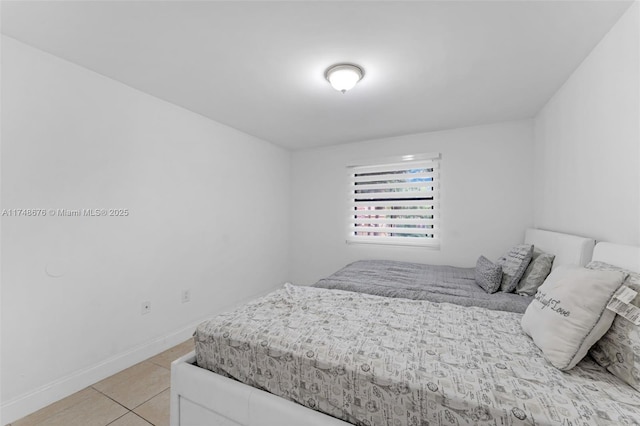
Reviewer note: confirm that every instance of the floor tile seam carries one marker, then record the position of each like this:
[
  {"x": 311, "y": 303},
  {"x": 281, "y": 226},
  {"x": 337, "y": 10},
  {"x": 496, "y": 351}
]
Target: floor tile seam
[
  {"x": 115, "y": 420},
  {"x": 66, "y": 409},
  {"x": 135, "y": 414},
  {"x": 61, "y": 410},
  {"x": 138, "y": 406},
  {"x": 107, "y": 396}
]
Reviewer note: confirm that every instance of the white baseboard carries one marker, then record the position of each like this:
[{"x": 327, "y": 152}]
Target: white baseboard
[{"x": 38, "y": 398}]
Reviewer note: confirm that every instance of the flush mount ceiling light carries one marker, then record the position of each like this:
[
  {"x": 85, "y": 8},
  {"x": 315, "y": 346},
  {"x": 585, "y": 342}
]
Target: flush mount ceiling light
[{"x": 343, "y": 76}]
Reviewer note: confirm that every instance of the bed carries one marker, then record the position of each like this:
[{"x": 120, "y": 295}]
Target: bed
[
  {"x": 458, "y": 365},
  {"x": 440, "y": 283},
  {"x": 436, "y": 283}
]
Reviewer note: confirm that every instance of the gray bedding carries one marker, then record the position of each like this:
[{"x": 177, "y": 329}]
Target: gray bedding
[
  {"x": 380, "y": 361},
  {"x": 436, "y": 283}
]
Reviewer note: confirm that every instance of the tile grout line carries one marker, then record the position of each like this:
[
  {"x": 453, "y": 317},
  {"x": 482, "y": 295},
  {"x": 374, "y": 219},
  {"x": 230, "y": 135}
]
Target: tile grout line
[
  {"x": 138, "y": 406},
  {"x": 124, "y": 406},
  {"x": 115, "y": 420},
  {"x": 69, "y": 408},
  {"x": 99, "y": 391},
  {"x": 107, "y": 396},
  {"x": 129, "y": 412},
  {"x": 146, "y": 420},
  {"x": 149, "y": 360}
]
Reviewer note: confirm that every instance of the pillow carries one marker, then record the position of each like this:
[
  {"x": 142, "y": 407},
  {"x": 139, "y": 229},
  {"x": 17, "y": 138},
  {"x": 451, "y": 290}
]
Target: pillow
[
  {"x": 514, "y": 263},
  {"x": 488, "y": 275},
  {"x": 535, "y": 273},
  {"x": 569, "y": 315},
  {"x": 619, "y": 349}
]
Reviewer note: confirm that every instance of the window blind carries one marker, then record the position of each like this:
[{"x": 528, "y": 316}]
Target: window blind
[{"x": 395, "y": 203}]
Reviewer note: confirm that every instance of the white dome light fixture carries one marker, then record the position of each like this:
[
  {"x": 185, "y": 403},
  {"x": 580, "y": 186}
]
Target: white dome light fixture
[{"x": 344, "y": 76}]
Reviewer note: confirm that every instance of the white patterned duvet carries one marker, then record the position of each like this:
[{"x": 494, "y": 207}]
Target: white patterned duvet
[{"x": 372, "y": 360}]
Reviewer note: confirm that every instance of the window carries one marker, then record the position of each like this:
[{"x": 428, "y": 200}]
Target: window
[{"x": 395, "y": 202}]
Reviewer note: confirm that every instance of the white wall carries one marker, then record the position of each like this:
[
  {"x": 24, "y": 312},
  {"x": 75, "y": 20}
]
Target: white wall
[
  {"x": 209, "y": 211},
  {"x": 587, "y": 143},
  {"x": 486, "y": 182}
]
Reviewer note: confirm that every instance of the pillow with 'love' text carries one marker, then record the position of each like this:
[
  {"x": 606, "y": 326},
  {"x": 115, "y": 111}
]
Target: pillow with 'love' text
[{"x": 569, "y": 313}]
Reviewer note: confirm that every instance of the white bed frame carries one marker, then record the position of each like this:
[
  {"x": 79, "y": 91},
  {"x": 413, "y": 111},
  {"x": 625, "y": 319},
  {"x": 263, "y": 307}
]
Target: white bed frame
[
  {"x": 569, "y": 249},
  {"x": 627, "y": 257},
  {"x": 200, "y": 397}
]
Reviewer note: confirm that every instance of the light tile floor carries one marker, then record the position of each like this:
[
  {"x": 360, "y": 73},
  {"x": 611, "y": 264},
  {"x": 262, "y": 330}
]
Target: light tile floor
[{"x": 137, "y": 396}]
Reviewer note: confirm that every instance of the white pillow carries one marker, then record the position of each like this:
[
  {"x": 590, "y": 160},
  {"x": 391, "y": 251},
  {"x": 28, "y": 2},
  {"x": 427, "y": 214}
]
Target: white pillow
[{"x": 569, "y": 315}]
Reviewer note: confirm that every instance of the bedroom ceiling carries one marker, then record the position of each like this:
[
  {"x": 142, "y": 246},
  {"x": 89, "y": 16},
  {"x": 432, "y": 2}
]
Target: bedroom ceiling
[{"x": 259, "y": 66}]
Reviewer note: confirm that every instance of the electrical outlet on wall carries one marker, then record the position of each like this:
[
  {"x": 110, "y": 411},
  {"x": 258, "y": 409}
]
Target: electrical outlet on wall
[
  {"x": 145, "y": 307},
  {"x": 186, "y": 295}
]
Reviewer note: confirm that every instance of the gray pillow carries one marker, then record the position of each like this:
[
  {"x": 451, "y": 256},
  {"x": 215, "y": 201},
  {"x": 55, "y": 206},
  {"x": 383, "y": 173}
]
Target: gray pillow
[
  {"x": 536, "y": 272},
  {"x": 488, "y": 275},
  {"x": 514, "y": 263}
]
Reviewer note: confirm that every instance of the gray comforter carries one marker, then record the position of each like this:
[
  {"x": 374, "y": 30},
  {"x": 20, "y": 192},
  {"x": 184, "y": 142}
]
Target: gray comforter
[{"x": 435, "y": 283}]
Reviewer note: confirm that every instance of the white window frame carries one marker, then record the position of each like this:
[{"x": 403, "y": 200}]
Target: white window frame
[{"x": 422, "y": 201}]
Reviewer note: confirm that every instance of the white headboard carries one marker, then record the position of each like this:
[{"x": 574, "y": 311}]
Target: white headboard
[
  {"x": 569, "y": 249},
  {"x": 627, "y": 257}
]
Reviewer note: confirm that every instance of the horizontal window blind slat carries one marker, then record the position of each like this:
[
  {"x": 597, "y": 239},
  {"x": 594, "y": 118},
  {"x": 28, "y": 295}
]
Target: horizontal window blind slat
[
  {"x": 388, "y": 230},
  {"x": 388, "y": 204},
  {"x": 401, "y": 186},
  {"x": 400, "y": 196},
  {"x": 408, "y": 166},
  {"x": 394, "y": 212},
  {"x": 394, "y": 221},
  {"x": 395, "y": 176}
]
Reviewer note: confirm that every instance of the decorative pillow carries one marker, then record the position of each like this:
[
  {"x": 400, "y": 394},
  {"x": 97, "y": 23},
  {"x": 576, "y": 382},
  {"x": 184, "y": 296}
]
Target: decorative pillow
[
  {"x": 514, "y": 263},
  {"x": 536, "y": 272},
  {"x": 488, "y": 275},
  {"x": 569, "y": 315},
  {"x": 619, "y": 349}
]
